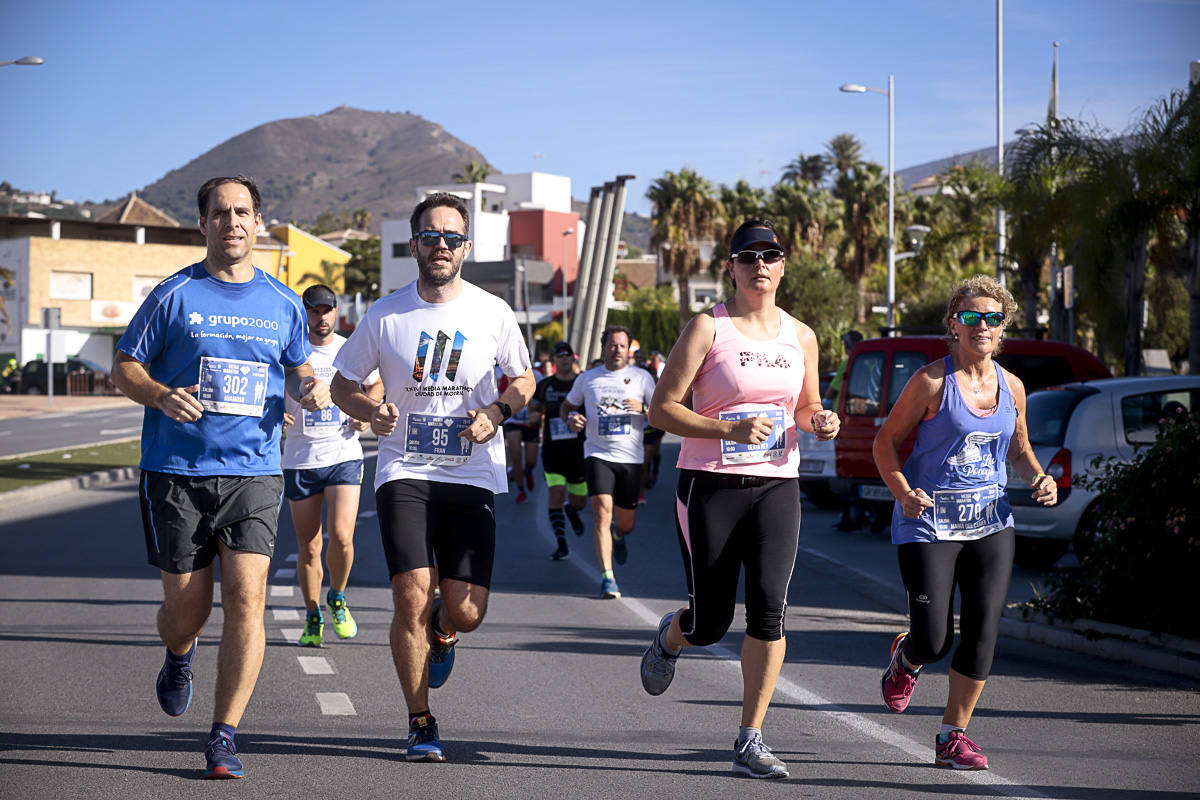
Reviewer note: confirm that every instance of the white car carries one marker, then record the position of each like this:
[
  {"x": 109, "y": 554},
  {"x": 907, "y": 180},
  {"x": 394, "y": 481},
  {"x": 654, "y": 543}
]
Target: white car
[
  {"x": 1070, "y": 427},
  {"x": 818, "y": 465}
]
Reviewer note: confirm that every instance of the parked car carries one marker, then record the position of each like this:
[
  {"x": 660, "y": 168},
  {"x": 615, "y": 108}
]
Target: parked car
[
  {"x": 1070, "y": 428},
  {"x": 79, "y": 374},
  {"x": 875, "y": 375},
  {"x": 818, "y": 465}
]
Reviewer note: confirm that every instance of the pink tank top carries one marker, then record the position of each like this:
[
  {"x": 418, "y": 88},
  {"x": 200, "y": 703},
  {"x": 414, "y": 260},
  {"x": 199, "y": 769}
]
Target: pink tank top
[{"x": 742, "y": 374}]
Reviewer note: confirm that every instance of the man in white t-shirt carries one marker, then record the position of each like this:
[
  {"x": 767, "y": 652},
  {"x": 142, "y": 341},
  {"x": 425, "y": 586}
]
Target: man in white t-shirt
[
  {"x": 435, "y": 343},
  {"x": 613, "y": 399},
  {"x": 322, "y": 471}
]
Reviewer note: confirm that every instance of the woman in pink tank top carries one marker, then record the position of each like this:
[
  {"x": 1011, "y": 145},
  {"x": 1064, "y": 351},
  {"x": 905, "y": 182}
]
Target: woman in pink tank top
[{"x": 752, "y": 372}]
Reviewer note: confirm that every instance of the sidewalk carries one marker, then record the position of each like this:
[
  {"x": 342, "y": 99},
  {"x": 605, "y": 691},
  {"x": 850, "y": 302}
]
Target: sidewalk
[{"x": 28, "y": 405}]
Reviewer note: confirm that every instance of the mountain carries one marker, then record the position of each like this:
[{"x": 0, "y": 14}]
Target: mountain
[{"x": 338, "y": 161}]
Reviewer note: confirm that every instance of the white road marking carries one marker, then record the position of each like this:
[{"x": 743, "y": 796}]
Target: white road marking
[
  {"x": 285, "y": 572},
  {"x": 282, "y": 591},
  {"x": 119, "y": 431},
  {"x": 284, "y": 614},
  {"x": 920, "y": 752},
  {"x": 316, "y": 665},
  {"x": 366, "y": 515},
  {"x": 292, "y": 634},
  {"x": 291, "y": 559},
  {"x": 336, "y": 703}
]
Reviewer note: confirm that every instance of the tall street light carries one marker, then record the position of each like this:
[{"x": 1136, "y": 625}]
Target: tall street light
[
  {"x": 891, "y": 251},
  {"x": 27, "y": 61},
  {"x": 565, "y": 234}
]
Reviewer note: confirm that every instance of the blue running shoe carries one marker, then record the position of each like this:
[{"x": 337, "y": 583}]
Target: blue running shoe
[
  {"x": 609, "y": 589},
  {"x": 423, "y": 741},
  {"x": 221, "y": 755},
  {"x": 174, "y": 684},
  {"x": 441, "y": 652},
  {"x": 620, "y": 550}
]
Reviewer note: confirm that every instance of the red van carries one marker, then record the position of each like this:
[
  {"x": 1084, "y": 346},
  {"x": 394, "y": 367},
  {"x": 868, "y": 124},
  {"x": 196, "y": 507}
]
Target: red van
[{"x": 875, "y": 375}]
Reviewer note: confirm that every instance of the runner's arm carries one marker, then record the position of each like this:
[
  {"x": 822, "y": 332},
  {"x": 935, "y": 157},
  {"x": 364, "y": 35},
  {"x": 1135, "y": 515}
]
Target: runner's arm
[
  {"x": 667, "y": 409},
  {"x": 922, "y": 390},
  {"x": 808, "y": 405},
  {"x": 132, "y": 378},
  {"x": 305, "y": 389}
]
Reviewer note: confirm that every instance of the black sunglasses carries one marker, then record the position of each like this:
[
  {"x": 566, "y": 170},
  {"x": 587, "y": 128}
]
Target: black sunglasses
[
  {"x": 431, "y": 238},
  {"x": 749, "y": 257},
  {"x": 994, "y": 319}
]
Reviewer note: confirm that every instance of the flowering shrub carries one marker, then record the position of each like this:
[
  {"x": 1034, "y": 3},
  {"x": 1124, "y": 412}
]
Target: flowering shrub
[{"x": 1145, "y": 563}]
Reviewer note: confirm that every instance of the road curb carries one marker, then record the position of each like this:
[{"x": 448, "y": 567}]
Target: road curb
[
  {"x": 1113, "y": 642},
  {"x": 29, "y": 494}
]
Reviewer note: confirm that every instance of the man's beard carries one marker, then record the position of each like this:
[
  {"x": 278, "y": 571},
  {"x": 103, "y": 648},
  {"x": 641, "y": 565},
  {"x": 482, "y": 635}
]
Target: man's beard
[{"x": 438, "y": 279}]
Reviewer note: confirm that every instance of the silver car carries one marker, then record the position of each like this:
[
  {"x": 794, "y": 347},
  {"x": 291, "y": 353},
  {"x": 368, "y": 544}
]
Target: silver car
[{"x": 1072, "y": 426}]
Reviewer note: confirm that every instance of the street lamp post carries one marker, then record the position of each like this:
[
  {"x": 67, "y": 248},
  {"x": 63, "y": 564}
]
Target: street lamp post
[
  {"x": 891, "y": 249},
  {"x": 565, "y": 234},
  {"x": 27, "y": 61}
]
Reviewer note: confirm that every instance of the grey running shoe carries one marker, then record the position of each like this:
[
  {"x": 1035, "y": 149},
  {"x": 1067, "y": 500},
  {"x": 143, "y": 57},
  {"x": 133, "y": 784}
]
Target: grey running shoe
[
  {"x": 658, "y": 668},
  {"x": 753, "y": 759}
]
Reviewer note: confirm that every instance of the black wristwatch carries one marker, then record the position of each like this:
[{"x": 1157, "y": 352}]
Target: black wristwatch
[{"x": 505, "y": 410}]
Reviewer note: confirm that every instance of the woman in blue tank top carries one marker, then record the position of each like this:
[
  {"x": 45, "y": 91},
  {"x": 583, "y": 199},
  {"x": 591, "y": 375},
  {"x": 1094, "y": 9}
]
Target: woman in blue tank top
[{"x": 952, "y": 519}]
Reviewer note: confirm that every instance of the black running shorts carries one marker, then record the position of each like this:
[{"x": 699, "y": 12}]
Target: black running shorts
[
  {"x": 430, "y": 523},
  {"x": 184, "y": 516},
  {"x": 622, "y": 481}
]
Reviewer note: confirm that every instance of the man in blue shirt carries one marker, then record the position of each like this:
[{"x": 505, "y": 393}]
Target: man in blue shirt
[{"x": 209, "y": 354}]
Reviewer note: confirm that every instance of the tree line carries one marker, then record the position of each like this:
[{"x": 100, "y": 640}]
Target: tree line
[{"x": 1121, "y": 210}]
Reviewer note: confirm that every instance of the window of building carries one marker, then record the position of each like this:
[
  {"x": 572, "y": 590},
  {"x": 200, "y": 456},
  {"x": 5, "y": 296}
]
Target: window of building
[
  {"x": 70, "y": 285},
  {"x": 400, "y": 250},
  {"x": 143, "y": 285}
]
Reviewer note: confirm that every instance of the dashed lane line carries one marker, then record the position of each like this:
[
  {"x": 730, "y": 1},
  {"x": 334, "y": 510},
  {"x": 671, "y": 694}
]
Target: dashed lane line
[
  {"x": 315, "y": 665},
  {"x": 285, "y": 614},
  {"x": 336, "y": 704},
  {"x": 282, "y": 591},
  {"x": 285, "y": 572}
]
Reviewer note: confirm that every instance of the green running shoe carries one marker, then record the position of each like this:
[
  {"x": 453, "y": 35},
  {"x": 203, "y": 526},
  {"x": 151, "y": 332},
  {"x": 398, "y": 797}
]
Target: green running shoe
[
  {"x": 314, "y": 626},
  {"x": 343, "y": 623}
]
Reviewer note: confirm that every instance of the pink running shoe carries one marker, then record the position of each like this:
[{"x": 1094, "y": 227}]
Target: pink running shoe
[
  {"x": 521, "y": 496},
  {"x": 898, "y": 683},
  {"x": 959, "y": 752}
]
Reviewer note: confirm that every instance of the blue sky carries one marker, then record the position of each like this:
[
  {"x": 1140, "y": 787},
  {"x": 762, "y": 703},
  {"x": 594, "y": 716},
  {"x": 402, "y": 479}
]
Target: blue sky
[{"x": 131, "y": 90}]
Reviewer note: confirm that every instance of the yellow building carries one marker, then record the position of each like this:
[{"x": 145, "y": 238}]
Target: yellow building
[{"x": 99, "y": 272}]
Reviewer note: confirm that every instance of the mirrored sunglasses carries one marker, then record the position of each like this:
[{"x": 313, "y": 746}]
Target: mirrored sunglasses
[
  {"x": 748, "y": 257},
  {"x": 994, "y": 319},
  {"x": 430, "y": 239}
]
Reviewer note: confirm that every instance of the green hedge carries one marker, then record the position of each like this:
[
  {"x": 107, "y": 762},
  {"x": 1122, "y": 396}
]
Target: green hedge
[
  {"x": 1143, "y": 565},
  {"x": 655, "y": 329}
]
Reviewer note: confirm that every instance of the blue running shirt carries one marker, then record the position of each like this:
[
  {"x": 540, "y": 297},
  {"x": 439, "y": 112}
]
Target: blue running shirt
[
  {"x": 192, "y": 314},
  {"x": 958, "y": 461}
]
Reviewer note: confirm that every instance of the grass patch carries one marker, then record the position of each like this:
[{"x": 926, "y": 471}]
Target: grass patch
[{"x": 18, "y": 472}]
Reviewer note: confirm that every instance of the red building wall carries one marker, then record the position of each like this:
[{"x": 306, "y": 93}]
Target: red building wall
[{"x": 540, "y": 234}]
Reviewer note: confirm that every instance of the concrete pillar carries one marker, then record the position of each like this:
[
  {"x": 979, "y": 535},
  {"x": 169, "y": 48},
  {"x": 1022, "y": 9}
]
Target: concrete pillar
[
  {"x": 608, "y": 265},
  {"x": 584, "y": 274},
  {"x": 585, "y": 319}
]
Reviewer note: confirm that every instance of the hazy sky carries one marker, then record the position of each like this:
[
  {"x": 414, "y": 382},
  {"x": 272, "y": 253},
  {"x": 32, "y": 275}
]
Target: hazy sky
[{"x": 131, "y": 90}]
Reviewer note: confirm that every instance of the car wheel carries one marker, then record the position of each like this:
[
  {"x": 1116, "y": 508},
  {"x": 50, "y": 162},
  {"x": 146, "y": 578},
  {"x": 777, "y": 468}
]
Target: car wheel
[
  {"x": 1034, "y": 553},
  {"x": 1087, "y": 532}
]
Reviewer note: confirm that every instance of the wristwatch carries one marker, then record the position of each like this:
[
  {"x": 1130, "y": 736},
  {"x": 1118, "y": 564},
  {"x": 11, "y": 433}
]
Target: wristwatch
[{"x": 505, "y": 409}]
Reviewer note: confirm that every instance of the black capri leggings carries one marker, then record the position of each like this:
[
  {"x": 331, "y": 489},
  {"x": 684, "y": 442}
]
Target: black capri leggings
[
  {"x": 725, "y": 522},
  {"x": 981, "y": 569}
]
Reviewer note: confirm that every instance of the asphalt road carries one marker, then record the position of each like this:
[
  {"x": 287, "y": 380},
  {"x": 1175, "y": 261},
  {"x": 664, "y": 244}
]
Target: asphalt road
[
  {"x": 545, "y": 699},
  {"x": 21, "y": 435}
]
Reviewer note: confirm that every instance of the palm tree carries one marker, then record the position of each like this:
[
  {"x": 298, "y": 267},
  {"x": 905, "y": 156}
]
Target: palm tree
[
  {"x": 331, "y": 273},
  {"x": 806, "y": 169},
  {"x": 843, "y": 153},
  {"x": 473, "y": 172},
  {"x": 361, "y": 218},
  {"x": 683, "y": 211},
  {"x": 863, "y": 191},
  {"x": 738, "y": 204}
]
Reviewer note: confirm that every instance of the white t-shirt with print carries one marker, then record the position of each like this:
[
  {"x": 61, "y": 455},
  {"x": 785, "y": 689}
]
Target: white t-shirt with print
[
  {"x": 613, "y": 433},
  {"x": 437, "y": 361},
  {"x": 326, "y": 437}
]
